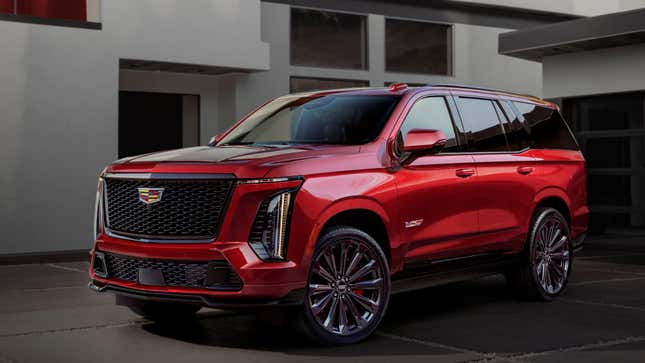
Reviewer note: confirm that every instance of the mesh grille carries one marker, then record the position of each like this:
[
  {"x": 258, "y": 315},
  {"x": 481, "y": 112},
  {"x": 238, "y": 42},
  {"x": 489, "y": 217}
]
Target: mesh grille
[
  {"x": 216, "y": 275},
  {"x": 188, "y": 209}
]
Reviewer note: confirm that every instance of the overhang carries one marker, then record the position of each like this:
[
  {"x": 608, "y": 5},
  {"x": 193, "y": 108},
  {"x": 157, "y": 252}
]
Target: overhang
[{"x": 605, "y": 31}]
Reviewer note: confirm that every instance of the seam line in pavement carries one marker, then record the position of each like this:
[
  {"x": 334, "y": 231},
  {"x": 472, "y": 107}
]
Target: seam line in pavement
[
  {"x": 613, "y": 271},
  {"x": 100, "y": 326},
  {"x": 66, "y": 268},
  {"x": 608, "y": 305},
  {"x": 578, "y": 348},
  {"x": 583, "y": 283},
  {"x": 484, "y": 356}
]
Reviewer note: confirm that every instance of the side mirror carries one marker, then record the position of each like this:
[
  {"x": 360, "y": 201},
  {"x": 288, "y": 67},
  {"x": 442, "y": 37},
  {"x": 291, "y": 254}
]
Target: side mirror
[
  {"x": 421, "y": 142},
  {"x": 215, "y": 139}
]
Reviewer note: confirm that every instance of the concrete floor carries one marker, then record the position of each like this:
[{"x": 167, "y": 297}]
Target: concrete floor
[{"x": 48, "y": 315}]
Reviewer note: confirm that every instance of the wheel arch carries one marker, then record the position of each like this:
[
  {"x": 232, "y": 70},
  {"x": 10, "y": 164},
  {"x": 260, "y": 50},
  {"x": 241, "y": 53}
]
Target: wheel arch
[{"x": 555, "y": 198}]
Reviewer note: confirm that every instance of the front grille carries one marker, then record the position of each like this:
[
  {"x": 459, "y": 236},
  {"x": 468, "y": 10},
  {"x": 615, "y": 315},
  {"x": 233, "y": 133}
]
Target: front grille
[
  {"x": 188, "y": 208},
  {"x": 214, "y": 275}
]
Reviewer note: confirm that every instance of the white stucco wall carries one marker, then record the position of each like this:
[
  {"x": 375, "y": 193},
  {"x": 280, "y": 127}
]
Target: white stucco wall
[
  {"x": 576, "y": 7},
  {"x": 59, "y": 103},
  {"x": 602, "y": 71}
]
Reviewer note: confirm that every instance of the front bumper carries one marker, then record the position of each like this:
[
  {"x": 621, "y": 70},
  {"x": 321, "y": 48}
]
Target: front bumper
[
  {"x": 294, "y": 298},
  {"x": 263, "y": 283}
]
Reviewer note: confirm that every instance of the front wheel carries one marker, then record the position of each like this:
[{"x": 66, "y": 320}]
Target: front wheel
[
  {"x": 546, "y": 264},
  {"x": 348, "y": 288}
]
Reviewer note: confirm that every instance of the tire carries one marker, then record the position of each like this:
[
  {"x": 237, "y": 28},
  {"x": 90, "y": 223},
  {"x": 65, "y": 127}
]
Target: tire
[
  {"x": 160, "y": 311},
  {"x": 358, "y": 294},
  {"x": 543, "y": 273}
]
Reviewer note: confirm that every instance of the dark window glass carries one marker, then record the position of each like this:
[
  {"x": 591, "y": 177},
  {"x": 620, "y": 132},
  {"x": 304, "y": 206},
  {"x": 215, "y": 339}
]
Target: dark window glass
[
  {"x": 517, "y": 133},
  {"x": 483, "y": 127},
  {"x": 548, "y": 129},
  {"x": 417, "y": 47},
  {"x": 431, "y": 113},
  {"x": 331, "y": 119},
  {"x": 301, "y": 84},
  {"x": 326, "y": 39}
]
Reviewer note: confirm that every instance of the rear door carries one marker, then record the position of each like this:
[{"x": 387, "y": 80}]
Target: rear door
[
  {"x": 439, "y": 216},
  {"x": 504, "y": 183}
]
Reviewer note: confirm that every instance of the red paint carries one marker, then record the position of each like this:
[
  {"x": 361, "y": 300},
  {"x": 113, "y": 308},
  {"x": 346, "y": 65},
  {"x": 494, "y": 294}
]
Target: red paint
[
  {"x": 6, "y": 6},
  {"x": 56, "y": 9},
  {"x": 468, "y": 203}
]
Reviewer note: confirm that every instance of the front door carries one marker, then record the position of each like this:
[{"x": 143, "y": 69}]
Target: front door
[{"x": 439, "y": 215}]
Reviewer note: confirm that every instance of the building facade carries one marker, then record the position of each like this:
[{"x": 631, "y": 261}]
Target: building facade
[{"x": 83, "y": 82}]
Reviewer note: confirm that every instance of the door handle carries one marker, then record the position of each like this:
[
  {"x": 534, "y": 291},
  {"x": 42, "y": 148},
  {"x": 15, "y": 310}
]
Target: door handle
[
  {"x": 465, "y": 173},
  {"x": 525, "y": 170}
]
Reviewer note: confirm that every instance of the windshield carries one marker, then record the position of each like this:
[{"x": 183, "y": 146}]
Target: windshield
[{"x": 331, "y": 119}]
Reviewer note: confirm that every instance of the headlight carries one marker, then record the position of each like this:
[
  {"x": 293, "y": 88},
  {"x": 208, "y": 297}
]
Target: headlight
[
  {"x": 270, "y": 230},
  {"x": 98, "y": 206}
]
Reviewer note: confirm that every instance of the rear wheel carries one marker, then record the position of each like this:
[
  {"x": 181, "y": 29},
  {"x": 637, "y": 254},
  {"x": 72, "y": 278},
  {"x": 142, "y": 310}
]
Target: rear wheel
[
  {"x": 546, "y": 264},
  {"x": 160, "y": 311},
  {"x": 348, "y": 289}
]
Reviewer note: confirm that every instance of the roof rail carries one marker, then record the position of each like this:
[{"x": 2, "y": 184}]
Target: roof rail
[{"x": 464, "y": 86}]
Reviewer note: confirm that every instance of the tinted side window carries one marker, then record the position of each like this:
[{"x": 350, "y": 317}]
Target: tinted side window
[
  {"x": 518, "y": 134},
  {"x": 431, "y": 113},
  {"x": 483, "y": 127},
  {"x": 547, "y": 128}
]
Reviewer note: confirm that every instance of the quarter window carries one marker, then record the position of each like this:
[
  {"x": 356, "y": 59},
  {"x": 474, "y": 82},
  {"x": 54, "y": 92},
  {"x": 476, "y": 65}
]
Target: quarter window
[
  {"x": 482, "y": 125},
  {"x": 431, "y": 113},
  {"x": 328, "y": 39},
  {"x": 547, "y": 127},
  {"x": 518, "y": 134}
]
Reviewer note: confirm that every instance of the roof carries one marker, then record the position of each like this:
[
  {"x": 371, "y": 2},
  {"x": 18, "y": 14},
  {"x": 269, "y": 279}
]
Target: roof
[
  {"x": 401, "y": 88},
  {"x": 605, "y": 31}
]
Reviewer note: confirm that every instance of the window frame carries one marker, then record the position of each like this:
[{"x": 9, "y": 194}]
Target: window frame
[
  {"x": 450, "y": 52},
  {"x": 493, "y": 100},
  {"x": 329, "y": 10},
  {"x": 452, "y": 113}
]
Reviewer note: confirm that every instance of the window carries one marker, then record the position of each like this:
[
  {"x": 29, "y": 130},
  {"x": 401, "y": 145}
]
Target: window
[
  {"x": 72, "y": 10},
  {"x": 332, "y": 119},
  {"x": 418, "y": 47},
  {"x": 302, "y": 84},
  {"x": 547, "y": 128},
  {"x": 431, "y": 113},
  {"x": 518, "y": 134},
  {"x": 482, "y": 124},
  {"x": 327, "y": 39}
]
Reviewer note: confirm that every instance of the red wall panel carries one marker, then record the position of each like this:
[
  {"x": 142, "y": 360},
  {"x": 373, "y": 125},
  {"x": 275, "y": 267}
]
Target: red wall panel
[
  {"x": 68, "y": 9},
  {"x": 6, "y": 6}
]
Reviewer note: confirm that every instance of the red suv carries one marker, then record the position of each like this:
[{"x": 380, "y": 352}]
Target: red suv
[{"x": 331, "y": 201}]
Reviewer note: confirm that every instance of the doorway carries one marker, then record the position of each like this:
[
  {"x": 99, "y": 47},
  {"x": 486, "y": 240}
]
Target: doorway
[{"x": 150, "y": 122}]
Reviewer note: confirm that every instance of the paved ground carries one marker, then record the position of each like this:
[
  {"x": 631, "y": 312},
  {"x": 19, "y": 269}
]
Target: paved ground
[{"x": 48, "y": 315}]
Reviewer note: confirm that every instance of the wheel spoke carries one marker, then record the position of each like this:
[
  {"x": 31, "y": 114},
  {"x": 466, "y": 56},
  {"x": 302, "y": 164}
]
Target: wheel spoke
[
  {"x": 366, "y": 303},
  {"x": 331, "y": 315},
  {"x": 342, "y": 312},
  {"x": 320, "y": 271},
  {"x": 369, "y": 284},
  {"x": 362, "y": 271},
  {"x": 352, "y": 264},
  {"x": 564, "y": 255},
  {"x": 559, "y": 244},
  {"x": 318, "y": 307},
  {"x": 319, "y": 288},
  {"x": 559, "y": 272},
  {"x": 554, "y": 238},
  {"x": 360, "y": 321},
  {"x": 331, "y": 261},
  {"x": 343, "y": 258}
]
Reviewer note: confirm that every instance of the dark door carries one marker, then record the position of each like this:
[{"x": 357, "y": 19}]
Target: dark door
[{"x": 149, "y": 122}]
